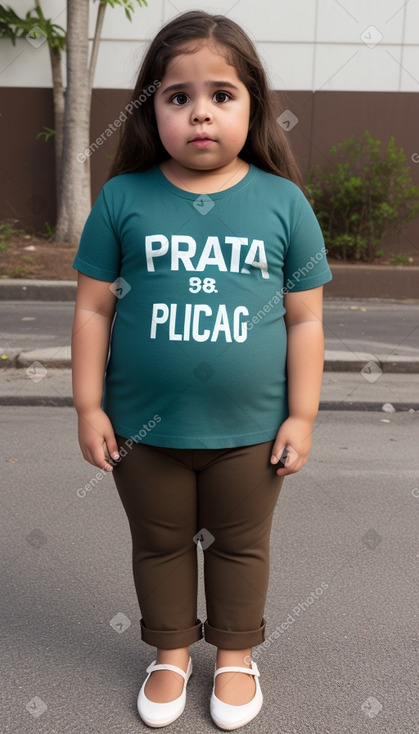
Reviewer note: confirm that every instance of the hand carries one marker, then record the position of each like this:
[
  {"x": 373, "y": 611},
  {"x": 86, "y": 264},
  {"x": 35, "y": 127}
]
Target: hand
[
  {"x": 97, "y": 439},
  {"x": 296, "y": 435}
]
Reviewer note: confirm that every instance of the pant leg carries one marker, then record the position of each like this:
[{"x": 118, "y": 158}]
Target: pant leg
[
  {"x": 237, "y": 495},
  {"x": 158, "y": 493}
]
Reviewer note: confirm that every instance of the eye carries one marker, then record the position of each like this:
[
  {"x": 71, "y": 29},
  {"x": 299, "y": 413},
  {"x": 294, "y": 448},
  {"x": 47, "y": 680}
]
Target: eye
[
  {"x": 179, "y": 99},
  {"x": 222, "y": 96}
]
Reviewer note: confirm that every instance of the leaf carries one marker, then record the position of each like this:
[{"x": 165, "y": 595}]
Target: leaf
[
  {"x": 46, "y": 133},
  {"x": 362, "y": 194}
]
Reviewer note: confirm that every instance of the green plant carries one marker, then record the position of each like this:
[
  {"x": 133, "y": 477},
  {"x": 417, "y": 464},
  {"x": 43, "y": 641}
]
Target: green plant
[
  {"x": 48, "y": 231},
  {"x": 18, "y": 272},
  {"x": 7, "y": 230},
  {"x": 46, "y": 133},
  {"x": 13, "y": 26},
  {"x": 399, "y": 260},
  {"x": 72, "y": 129},
  {"x": 363, "y": 194}
]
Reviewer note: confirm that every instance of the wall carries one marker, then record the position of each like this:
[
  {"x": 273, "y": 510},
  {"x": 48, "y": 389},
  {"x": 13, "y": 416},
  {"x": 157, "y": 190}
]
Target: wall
[{"x": 341, "y": 67}]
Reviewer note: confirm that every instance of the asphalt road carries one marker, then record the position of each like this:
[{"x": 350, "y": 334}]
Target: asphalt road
[
  {"x": 382, "y": 327},
  {"x": 342, "y": 629}
]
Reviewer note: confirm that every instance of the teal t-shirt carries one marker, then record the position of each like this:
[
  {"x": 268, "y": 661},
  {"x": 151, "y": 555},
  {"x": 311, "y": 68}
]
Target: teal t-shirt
[{"x": 198, "y": 348}]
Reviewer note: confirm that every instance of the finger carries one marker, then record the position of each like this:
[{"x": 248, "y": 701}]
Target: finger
[
  {"x": 278, "y": 452},
  {"x": 283, "y": 471},
  {"x": 292, "y": 467},
  {"x": 111, "y": 447},
  {"x": 97, "y": 457},
  {"x": 105, "y": 462},
  {"x": 289, "y": 457}
]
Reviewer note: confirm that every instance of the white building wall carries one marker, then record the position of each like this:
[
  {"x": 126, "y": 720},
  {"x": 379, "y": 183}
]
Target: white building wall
[{"x": 335, "y": 45}]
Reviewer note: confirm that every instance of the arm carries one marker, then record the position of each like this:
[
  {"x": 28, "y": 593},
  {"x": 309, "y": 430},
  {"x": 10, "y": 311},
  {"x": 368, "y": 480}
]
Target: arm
[
  {"x": 305, "y": 358},
  {"x": 94, "y": 311}
]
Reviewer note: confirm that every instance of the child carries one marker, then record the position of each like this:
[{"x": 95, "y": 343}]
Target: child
[{"x": 201, "y": 266}]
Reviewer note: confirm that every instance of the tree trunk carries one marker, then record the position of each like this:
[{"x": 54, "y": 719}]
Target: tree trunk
[
  {"x": 59, "y": 101},
  {"x": 75, "y": 200},
  {"x": 96, "y": 40}
]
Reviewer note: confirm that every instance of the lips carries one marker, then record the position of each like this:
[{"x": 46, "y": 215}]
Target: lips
[
  {"x": 202, "y": 141},
  {"x": 201, "y": 136}
]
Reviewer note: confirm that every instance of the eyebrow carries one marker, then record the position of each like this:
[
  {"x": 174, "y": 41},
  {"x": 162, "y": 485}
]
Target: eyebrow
[{"x": 188, "y": 85}]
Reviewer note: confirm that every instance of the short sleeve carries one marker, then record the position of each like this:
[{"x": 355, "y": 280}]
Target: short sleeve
[
  {"x": 306, "y": 263},
  {"x": 99, "y": 253}
]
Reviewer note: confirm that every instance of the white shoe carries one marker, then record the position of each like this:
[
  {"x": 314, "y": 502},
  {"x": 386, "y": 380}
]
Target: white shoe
[
  {"x": 162, "y": 714},
  {"x": 228, "y": 716}
]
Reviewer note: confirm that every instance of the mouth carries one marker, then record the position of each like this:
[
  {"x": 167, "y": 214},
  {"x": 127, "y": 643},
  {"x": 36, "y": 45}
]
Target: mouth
[{"x": 202, "y": 141}]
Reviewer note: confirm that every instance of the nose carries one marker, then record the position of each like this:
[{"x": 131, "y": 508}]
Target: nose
[{"x": 200, "y": 112}]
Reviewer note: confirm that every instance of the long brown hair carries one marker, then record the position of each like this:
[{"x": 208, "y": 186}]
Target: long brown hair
[{"x": 266, "y": 145}]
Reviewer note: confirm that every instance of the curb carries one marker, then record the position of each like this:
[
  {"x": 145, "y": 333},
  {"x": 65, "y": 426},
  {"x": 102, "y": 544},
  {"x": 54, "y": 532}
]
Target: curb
[
  {"x": 66, "y": 401},
  {"x": 37, "y": 290},
  {"x": 59, "y": 357},
  {"x": 361, "y": 282},
  {"x": 372, "y": 366},
  {"x": 369, "y": 364}
]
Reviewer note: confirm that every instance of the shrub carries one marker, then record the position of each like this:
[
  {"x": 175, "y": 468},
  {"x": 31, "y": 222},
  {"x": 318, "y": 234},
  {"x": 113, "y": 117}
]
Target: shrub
[{"x": 361, "y": 196}]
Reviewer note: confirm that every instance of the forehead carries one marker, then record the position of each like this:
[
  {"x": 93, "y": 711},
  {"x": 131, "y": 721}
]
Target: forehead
[{"x": 201, "y": 58}]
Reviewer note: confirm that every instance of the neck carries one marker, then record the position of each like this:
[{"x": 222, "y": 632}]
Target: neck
[{"x": 207, "y": 181}]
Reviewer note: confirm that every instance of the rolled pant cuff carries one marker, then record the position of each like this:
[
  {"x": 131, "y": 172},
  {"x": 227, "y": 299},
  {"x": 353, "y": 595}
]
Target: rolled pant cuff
[
  {"x": 170, "y": 639},
  {"x": 229, "y": 640}
]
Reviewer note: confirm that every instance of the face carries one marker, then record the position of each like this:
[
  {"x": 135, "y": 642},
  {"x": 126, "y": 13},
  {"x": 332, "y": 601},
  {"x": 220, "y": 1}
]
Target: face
[{"x": 202, "y": 110}]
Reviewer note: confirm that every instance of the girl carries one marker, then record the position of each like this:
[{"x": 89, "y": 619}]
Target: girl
[{"x": 201, "y": 266}]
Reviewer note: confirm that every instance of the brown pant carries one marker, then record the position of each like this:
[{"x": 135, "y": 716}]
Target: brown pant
[{"x": 225, "y": 498}]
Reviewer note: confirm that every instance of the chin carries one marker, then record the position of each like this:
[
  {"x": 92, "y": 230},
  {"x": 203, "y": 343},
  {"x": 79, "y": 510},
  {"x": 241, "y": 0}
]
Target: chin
[{"x": 202, "y": 165}]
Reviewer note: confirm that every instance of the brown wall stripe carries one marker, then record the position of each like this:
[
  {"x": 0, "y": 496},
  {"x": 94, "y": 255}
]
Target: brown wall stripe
[{"x": 324, "y": 118}]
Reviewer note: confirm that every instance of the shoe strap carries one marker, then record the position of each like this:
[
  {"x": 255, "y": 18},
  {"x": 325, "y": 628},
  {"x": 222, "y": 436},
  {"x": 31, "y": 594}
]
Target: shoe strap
[
  {"x": 166, "y": 666},
  {"x": 236, "y": 669}
]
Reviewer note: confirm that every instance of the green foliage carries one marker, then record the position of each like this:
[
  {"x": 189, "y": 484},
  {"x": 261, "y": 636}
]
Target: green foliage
[
  {"x": 18, "y": 272},
  {"x": 362, "y": 195},
  {"x": 12, "y": 26},
  {"x": 46, "y": 133},
  {"x": 399, "y": 260},
  {"x": 48, "y": 231},
  {"x": 7, "y": 230},
  {"x": 128, "y": 5}
]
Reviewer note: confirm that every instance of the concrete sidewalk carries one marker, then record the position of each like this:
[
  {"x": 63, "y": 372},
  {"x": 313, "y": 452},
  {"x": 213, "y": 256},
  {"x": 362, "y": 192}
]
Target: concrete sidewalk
[
  {"x": 371, "y": 355},
  {"x": 360, "y": 280},
  {"x": 335, "y": 361},
  {"x": 340, "y": 655},
  {"x": 340, "y": 650},
  {"x": 388, "y": 392}
]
